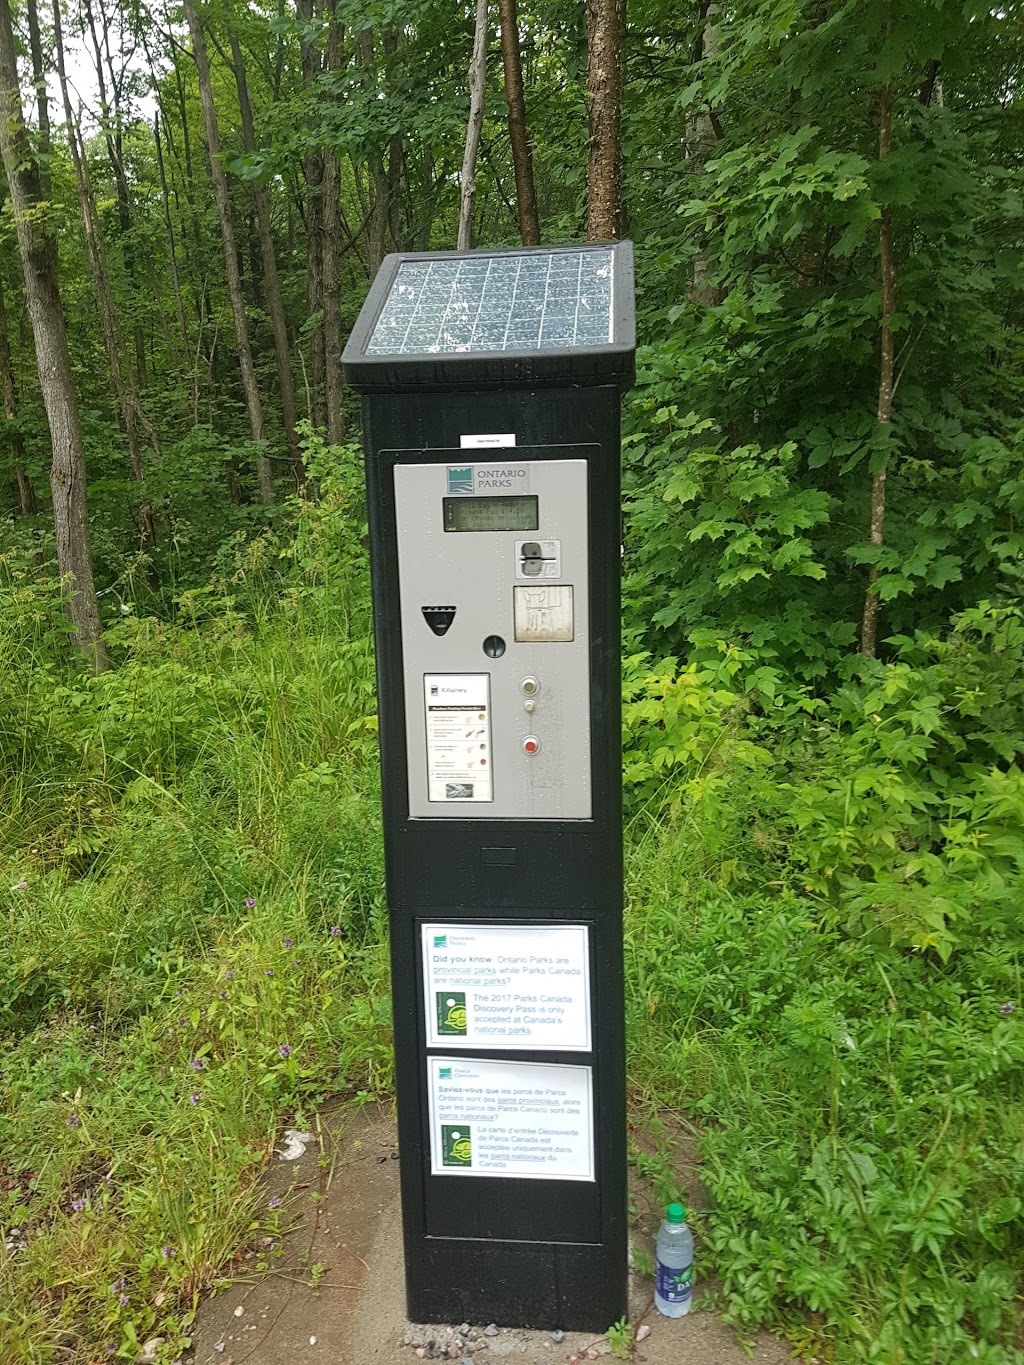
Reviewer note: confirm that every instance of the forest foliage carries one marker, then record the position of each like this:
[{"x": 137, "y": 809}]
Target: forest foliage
[{"x": 823, "y": 630}]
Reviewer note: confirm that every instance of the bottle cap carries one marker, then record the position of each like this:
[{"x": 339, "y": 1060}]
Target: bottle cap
[{"x": 675, "y": 1213}]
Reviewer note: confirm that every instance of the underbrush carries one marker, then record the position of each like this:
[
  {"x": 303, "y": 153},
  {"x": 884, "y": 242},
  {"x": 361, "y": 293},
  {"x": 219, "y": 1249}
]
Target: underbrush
[
  {"x": 823, "y": 952},
  {"x": 861, "y": 1111}
]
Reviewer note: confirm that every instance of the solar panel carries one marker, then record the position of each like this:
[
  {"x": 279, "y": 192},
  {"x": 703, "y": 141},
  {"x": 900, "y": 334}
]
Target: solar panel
[{"x": 534, "y": 301}]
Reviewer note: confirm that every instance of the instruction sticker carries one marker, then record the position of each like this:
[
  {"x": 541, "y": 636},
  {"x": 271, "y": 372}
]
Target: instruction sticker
[
  {"x": 507, "y": 986},
  {"x": 522, "y": 1119},
  {"x": 458, "y": 736}
]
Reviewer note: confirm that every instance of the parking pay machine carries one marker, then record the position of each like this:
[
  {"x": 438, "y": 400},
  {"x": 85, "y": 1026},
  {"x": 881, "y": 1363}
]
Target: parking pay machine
[{"x": 491, "y": 385}]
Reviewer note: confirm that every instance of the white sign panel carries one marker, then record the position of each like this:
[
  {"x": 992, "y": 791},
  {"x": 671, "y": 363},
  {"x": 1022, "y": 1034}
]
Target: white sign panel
[
  {"x": 523, "y": 1119},
  {"x": 543, "y": 614},
  {"x": 458, "y": 736},
  {"x": 507, "y": 986},
  {"x": 506, "y": 438}
]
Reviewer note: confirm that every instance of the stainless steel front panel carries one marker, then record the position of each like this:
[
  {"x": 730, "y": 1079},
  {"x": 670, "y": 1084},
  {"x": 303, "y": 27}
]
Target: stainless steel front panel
[{"x": 538, "y": 756}]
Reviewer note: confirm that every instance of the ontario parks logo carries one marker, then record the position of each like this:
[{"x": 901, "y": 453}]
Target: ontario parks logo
[
  {"x": 460, "y": 480},
  {"x": 456, "y": 1144}
]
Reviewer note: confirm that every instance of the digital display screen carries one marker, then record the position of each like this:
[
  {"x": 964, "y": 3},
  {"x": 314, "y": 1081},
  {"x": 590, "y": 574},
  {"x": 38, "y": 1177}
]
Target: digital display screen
[{"x": 492, "y": 514}]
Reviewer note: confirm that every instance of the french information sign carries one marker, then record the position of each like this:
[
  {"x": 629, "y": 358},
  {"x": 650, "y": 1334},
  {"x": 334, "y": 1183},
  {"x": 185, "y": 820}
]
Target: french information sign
[
  {"x": 531, "y": 1120},
  {"x": 507, "y": 986}
]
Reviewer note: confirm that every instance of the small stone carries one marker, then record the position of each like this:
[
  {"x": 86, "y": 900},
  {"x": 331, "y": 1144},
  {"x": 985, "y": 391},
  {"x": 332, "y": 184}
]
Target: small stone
[
  {"x": 454, "y": 1351},
  {"x": 466, "y": 1360},
  {"x": 464, "y": 1329},
  {"x": 219, "y": 1347},
  {"x": 239, "y": 1311},
  {"x": 421, "y": 1353},
  {"x": 148, "y": 1353},
  {"x": 643, "y": 1331},
  {"x": 491, "y": 1330},
  {"x": 312, "y": 1341},
  {"x": 558, "y": 1336}
]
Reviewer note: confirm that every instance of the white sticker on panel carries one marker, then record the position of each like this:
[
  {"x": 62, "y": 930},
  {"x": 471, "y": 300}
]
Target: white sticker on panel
[
  {"x": 487, "y": 441},
  {"x": 458, "y": 736},
  {"x": 529, "y": 1120},
  {"x": 543, "y": 614},
  {"x": 507, "y": 986}
]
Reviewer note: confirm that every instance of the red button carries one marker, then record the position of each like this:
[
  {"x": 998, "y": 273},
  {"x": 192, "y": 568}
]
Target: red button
[{"x": 531, "y": 745}]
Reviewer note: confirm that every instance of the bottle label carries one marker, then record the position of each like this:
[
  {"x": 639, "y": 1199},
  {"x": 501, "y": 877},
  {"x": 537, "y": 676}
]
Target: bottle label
[{"x": 674, "y": 1286}]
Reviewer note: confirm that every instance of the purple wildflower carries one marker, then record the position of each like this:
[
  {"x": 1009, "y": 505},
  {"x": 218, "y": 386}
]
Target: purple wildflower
[
  {"x": 229, "y": 975},
  {"x": 297, "y": 962},
  {"x": 335, "y": 931},
  {"x": 183, "y": 1023},
  {"x": 285, "y": 1049},
  {"x": 289, "y": 942},
  {"x": 1007, "y": 1007},
  {"x": 74, "y": 1121},
  {"x": 195, "y": 1097},
  {"x": 20, "y": 886},
  {"x": 179, "y": 992},
  {"x": 78, "y": 1203},
  {"x": 167, "y": 1252},
  {"x": 119, "y": 1286},
  {"x": 198, "y": 1063},
  {"x": 223, "y": 995},
  {"x": 250, "y": 902},
  {"x": 270, "y": 972},
  {"x": 123, "y": 1300},
  {"x": 274, "y": 1202}
]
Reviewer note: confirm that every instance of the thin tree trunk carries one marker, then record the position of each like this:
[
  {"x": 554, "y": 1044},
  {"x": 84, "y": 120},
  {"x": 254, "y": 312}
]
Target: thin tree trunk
[
  {"x": 123, "y": 388},
  {"x": 42, "y": 103},
  {"x": 869, "y": 624},
  {"x": 333, "y": 388},
  {"x": 309, "y": 56},
  {"x": 38, "y": 249},
  {"x": 26, "y": 493},
  {"x": 172, "y": 248},
  {"x": 604, "y": 117},
  {"x": 522, "y": 156},
  {"x": 701, "y": 139},
  {"x": 254, "y": 407},
  {"x": 271, "y": 282},
  {"x": 477, "y": 81}
]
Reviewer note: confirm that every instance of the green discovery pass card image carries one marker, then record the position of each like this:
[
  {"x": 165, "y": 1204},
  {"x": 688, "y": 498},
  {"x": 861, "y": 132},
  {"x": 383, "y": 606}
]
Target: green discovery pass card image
[
  {"x": 451, "y": 1013},
  {"x": 456, "y": 1144}
]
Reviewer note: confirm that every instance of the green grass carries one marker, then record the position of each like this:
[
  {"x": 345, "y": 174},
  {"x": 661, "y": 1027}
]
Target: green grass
[{"x": 194, "y": 950}]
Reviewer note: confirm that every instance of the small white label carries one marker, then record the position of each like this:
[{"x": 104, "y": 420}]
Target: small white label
[
  {"x": 496, "y": 439},
  {"x": 458, "y": 736},
  {"x": 525, "y": 1119},
  {"x": 507, "y": 986},
  {"x": 543, "y": 615}
]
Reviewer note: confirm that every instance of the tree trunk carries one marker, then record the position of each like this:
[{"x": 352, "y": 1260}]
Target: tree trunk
[
  {"x": 26, "y": 493},
  {"x": 522, "y": 157},
  {"x": 604, "y": 117},
  {"x": 42, "y": 103},
  {"x": 253, "y": 405},
  {"x": 309, "y": 55},
  {"x": 271, "y": 282},
  {"x": 127, "y": 399},
  {"x": 477, "y": 81},
  {"x": 38, "y": 249},
  {"x": 701, "y": 139},
  {"x": 172, "y": 248},
  {"x": 333, "y": 395},
  {"x": 869, "y": 624}
]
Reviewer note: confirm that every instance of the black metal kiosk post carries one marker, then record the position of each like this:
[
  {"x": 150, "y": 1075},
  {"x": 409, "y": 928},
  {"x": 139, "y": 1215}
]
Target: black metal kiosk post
[{"x": 491, "y": 389}]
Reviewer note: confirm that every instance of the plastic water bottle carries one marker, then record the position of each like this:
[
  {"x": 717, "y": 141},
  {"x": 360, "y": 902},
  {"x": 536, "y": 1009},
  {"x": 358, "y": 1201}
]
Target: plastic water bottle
[{"x": 673, "y": 1279}]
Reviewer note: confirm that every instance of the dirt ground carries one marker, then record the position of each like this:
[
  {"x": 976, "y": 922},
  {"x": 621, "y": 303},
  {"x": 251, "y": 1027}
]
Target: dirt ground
[{"x": 335, "y": 1294}]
